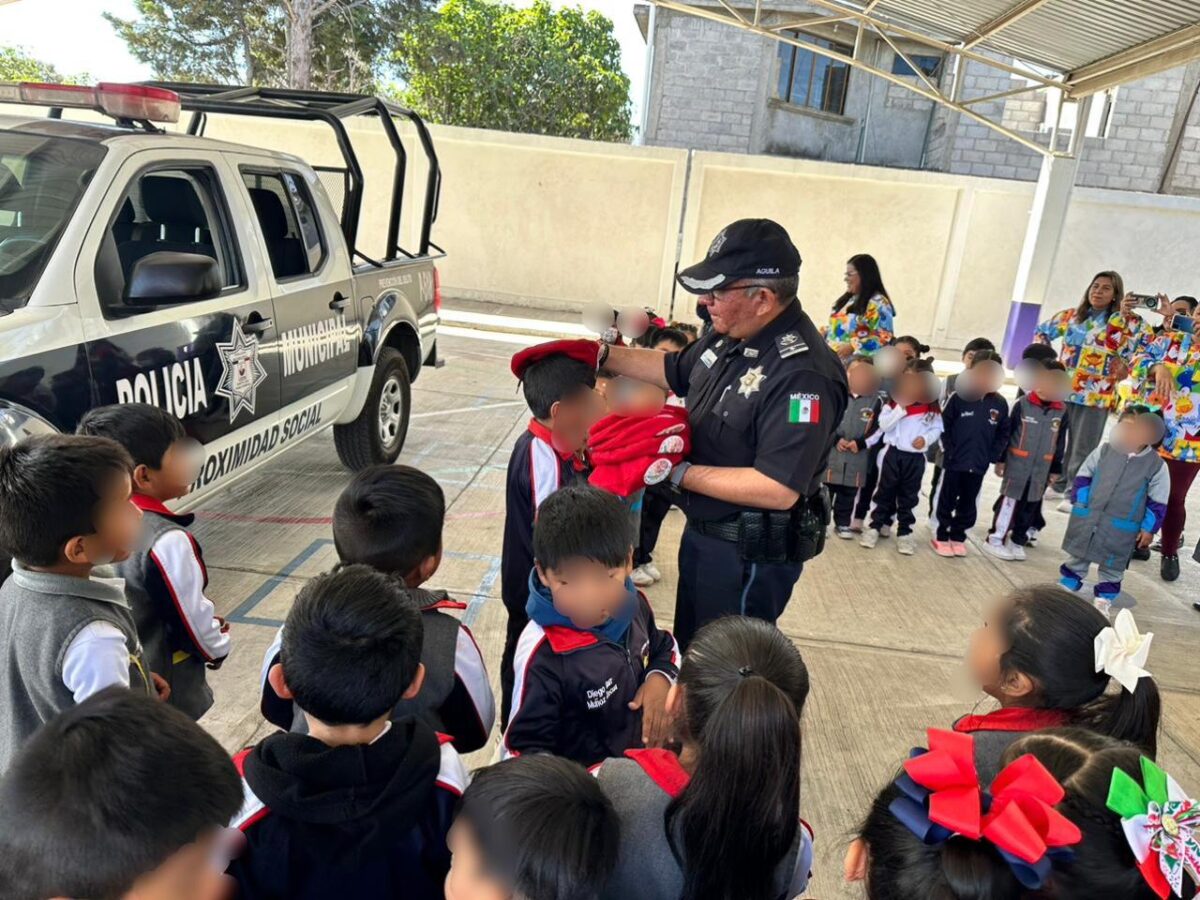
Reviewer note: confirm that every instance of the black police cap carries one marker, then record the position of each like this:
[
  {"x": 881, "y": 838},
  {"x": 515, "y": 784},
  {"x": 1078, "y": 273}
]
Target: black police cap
[{"x": 747, "y": 248}]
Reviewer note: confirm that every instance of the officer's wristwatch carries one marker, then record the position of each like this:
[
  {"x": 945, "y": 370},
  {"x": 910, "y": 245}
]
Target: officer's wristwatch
[{"x": 676, "y": 479}]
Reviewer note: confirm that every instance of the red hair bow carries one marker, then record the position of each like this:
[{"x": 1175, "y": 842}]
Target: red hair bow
[
  {"x": 948, "y": 772},
  {"x": 1022, "y": 819}
]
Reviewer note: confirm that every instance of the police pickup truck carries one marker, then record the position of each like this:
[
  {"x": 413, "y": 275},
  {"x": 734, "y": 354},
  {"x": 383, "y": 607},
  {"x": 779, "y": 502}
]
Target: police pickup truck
[{"x": 216, "y": 281}]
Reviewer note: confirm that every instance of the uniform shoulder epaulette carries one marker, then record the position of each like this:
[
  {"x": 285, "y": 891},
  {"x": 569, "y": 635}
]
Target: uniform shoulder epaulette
[{"x": 791, "y": 344}]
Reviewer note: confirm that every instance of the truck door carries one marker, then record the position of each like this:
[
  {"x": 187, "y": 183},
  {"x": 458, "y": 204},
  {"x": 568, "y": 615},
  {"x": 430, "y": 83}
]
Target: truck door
[
  {"x": 315, "y": 310},
  {"x": 213, "y": 363}
]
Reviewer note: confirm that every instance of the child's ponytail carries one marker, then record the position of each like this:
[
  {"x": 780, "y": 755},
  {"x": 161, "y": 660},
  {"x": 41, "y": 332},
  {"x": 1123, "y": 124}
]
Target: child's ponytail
[
  {"x": 744, "y": 686},
  {"x": 1052, "y": 636}
]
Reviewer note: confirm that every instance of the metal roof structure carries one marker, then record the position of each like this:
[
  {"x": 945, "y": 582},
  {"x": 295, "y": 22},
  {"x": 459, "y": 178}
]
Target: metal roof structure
[{"x": 1077, "y": 47}]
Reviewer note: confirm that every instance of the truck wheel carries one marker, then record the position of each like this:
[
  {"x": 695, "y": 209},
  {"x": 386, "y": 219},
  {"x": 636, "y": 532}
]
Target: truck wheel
[{"x": 377, "y": 435}]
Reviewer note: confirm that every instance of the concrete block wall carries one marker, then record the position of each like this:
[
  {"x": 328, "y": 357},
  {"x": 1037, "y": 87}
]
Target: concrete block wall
[{"x": 707, "y": 84}]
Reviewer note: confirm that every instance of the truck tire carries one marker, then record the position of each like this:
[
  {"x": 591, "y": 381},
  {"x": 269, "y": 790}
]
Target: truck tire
[{"x": 377, "y": 435}]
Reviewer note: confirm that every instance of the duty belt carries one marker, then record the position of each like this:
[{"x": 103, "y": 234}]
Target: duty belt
[{"x": 795, "y": 535}]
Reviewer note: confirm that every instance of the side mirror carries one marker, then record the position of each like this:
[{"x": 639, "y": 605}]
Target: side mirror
[{"x": 167, "y": 277}]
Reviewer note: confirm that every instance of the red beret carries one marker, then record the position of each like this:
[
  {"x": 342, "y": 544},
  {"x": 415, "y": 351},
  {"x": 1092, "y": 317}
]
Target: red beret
[{"x": 585, "y": 351}]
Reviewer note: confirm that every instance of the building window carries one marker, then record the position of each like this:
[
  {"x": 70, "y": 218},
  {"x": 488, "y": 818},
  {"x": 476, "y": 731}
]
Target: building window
[
  {"x": 806, "y": 79},
  {"x": 929, "y": 65}
]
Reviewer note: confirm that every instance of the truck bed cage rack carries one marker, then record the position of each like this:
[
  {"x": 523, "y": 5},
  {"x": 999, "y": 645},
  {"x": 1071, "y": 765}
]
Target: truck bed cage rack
[{"x": 331, "y": 108}]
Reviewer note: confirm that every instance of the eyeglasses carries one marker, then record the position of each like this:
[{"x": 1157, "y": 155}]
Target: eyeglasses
[{"x": 741, "y": 287}]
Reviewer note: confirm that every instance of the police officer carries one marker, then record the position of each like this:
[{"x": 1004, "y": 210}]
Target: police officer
[{"x": 764, "y": 397}]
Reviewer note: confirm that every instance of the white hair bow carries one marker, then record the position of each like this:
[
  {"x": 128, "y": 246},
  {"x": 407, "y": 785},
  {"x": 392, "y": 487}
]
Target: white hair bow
[{"x": 1121, "y": 651}]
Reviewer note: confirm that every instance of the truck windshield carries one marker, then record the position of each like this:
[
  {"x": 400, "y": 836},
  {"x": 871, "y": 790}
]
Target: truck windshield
[{"x": 41, "y": 181}]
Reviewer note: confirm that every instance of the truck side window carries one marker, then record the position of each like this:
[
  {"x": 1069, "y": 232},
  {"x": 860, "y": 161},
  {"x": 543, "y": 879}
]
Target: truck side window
[
  {"x": 179, "y": 210},
  {"x": 288, "y": 221}
]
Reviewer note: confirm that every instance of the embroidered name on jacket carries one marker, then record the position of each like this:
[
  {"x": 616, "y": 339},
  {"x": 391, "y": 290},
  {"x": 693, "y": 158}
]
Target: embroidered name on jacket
[{"x": 597, "y": 697}]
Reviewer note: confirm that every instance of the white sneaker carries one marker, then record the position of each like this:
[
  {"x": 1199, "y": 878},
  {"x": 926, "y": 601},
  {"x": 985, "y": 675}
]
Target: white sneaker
[
  {"x": 885, "y": 531},
  {"x": 641, "y": 577},
  {"x": 652, "y": 570},
  {"x": 845, "y": 534},
  {"x": 1000, "y": 551},
  {"x": 906, "y": 545},
  {"x": 869, "y": 539},
  {"x": 1017, "y": 551},
  {"x": 1066, "y": 506}
]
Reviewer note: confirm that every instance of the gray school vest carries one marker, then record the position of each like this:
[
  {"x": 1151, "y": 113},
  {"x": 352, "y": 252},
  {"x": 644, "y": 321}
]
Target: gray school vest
[
  {"x": 158, "y": 627},
  {"x": 646, "y": 867},
  {"x": 439, "y": 648},
  {"x": 1031, "y": 451},
  {"x": 40, "y": 614},
  {"x": 1105, "y": 530},
  {"x": 845, "y": 468}
]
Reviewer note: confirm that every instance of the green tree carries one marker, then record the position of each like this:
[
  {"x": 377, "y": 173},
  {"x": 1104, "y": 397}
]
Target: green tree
[
  {"x": 486, "y": 64},
  {"x": 323, "y": 44},
  {"x": 16, "y": 64}
]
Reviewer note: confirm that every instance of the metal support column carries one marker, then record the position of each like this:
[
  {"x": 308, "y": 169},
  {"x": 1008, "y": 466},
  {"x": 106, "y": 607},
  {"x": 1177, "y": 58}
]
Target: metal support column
[{"x": 1051, "y": 201}]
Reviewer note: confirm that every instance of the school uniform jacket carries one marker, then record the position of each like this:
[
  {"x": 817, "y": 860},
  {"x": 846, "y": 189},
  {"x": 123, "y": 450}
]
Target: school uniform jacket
[
  {"x": 994, "y": 731},
  {"x": 362, "y": 821},
  {"x": 572, "y": 688},
  {"x": 641, "y": 786},
  {"x": 974, "y": 433},
  {"x": 165, "y": 581},
  {"x": 1115, "y": 496},
  {"x": 456, "y": 697},
  {"x": 1036, "y": 444},
  {"x": 859, "y": 420},
  {"x": 535, "y": 471},
  {"x": 900, "y": 426}
]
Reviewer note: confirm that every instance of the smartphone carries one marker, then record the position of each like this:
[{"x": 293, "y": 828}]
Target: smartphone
[
  {"x": 1183, "y": 323},
  {"x": 1147, "y": 301}
]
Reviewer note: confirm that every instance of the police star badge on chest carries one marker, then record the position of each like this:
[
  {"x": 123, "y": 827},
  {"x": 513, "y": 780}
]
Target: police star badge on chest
[{"x": 751, "y": 382}]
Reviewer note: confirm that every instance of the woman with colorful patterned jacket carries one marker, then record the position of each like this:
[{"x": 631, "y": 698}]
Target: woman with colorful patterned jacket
[
  {"x": 862, "y": 318},
  {"x": 1167, "y": 370},
  {"x": 1099, "y": 338}
]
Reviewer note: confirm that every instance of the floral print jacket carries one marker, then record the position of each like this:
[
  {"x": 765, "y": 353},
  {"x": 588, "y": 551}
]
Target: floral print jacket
[
  {"x": 866, "y": 333},
  {"x": 1180, "y": 353},
  {"x": 1089, "y": 350}
]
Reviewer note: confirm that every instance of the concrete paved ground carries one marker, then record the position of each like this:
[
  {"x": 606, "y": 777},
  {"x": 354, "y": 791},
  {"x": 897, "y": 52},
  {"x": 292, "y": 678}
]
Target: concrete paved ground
[{"x": 883, "y": 635}]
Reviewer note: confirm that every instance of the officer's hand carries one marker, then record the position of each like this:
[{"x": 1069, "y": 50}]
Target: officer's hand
[
  {"x": 161, "y": 688},
  {"x": 918, "y": 443},
  {"x": 651, "y": 699},
  {"x": 1000, "y": 469},
  {"x": 1143, "y": 539}
]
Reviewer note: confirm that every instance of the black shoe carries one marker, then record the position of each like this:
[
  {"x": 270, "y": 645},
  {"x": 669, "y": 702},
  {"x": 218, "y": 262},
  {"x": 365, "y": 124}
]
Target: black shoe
[
  {"x": 1170, "y": 568},
  {"x": 1142, "y": 553}
]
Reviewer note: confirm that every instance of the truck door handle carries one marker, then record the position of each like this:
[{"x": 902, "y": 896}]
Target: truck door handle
[
  {"x": 257, "y": 326},
  {"x": 338, "y": 302}
]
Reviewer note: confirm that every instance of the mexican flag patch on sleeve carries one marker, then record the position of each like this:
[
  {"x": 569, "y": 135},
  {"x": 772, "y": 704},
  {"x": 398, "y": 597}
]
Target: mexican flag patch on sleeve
[{"x": 804, "y": 409}]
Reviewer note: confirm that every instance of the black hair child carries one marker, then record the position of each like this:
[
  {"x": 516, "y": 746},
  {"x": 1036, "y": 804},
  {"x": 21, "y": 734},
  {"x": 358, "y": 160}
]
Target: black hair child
[
  {"x": 934, "y": 455},
  {"x": 119, "y": 796},
  {"x": 64, "y": 633},
  {"x": 594, "y": 668},
  {"x": 558, "y": 379},
  {"x": 712, "y": 824},
  {"x": 1036, "y": 654},
  {"x": 941, "y": 831},
  {"x": 390, "y": 518},
  {"x": 165, "y": 577},
  {"x": 535, "y": 828},
  {"x": 361, "y": 805},
  {"x": 1102, "y": 864},
  {"x": 974, "y": 437}
]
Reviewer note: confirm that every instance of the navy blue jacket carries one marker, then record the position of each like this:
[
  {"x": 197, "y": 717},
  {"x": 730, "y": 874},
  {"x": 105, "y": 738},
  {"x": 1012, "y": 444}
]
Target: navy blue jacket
[
  {"x": 974, "y": 432},
  {"x": 535, "y": 471},
  {"x": 573, "y": 687}
]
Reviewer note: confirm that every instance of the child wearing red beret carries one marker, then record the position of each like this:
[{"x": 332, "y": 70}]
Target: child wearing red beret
[{"x": 558, "y": 380}]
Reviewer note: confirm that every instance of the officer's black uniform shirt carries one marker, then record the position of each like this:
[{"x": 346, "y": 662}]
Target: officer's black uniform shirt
[{"x": 772, "y": 403}]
